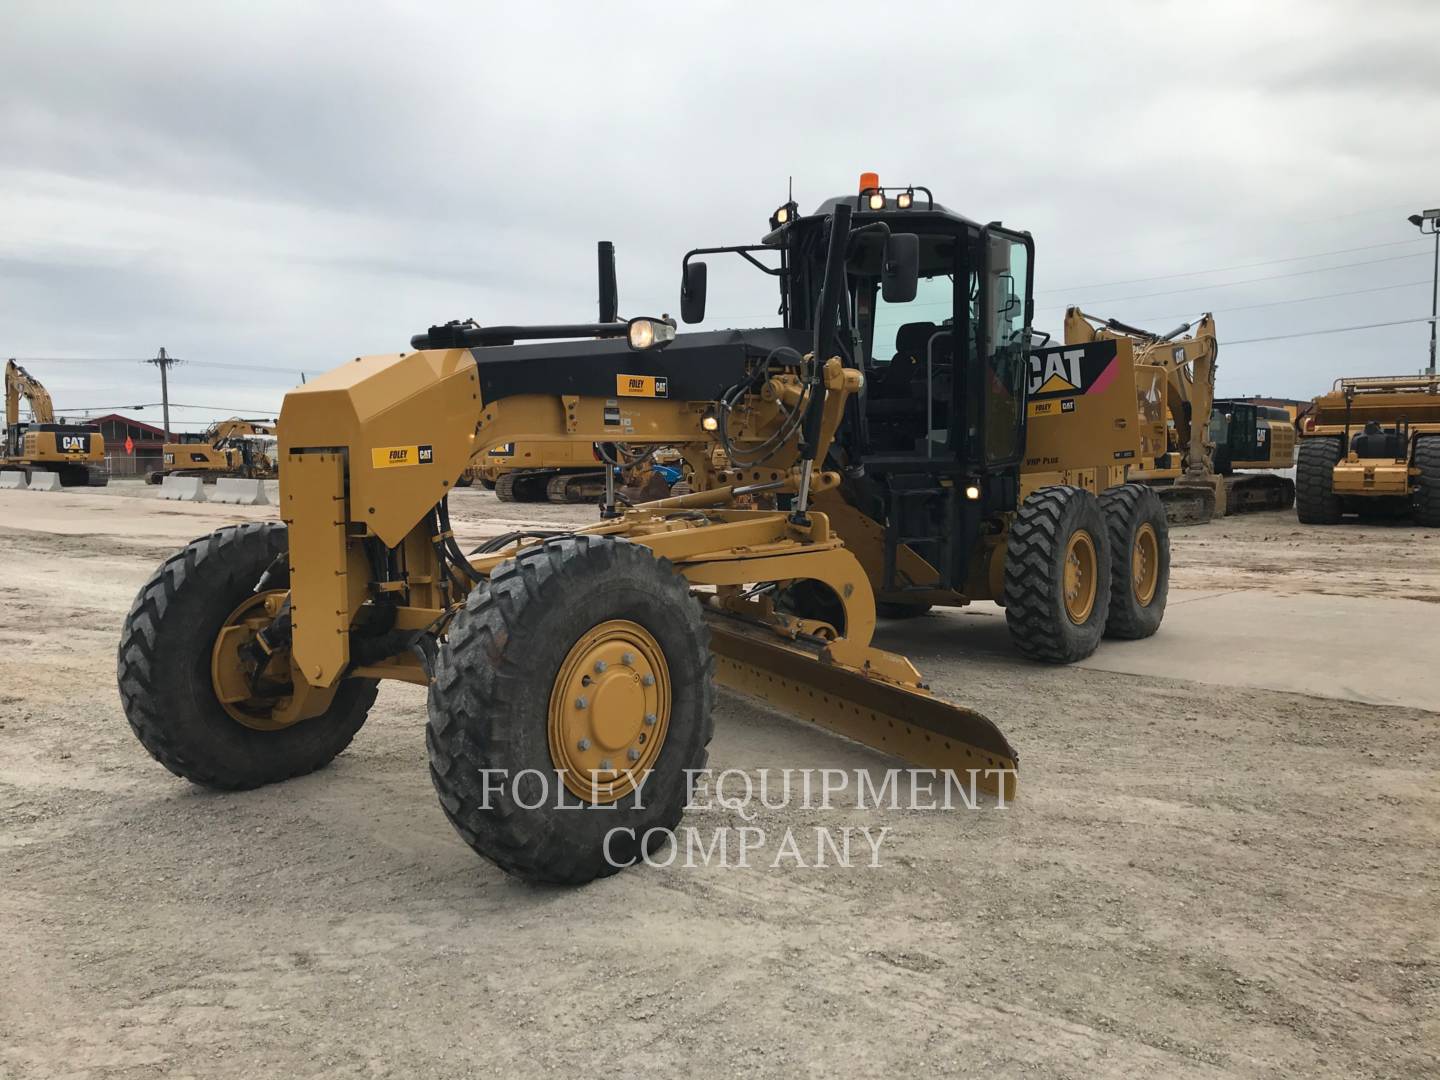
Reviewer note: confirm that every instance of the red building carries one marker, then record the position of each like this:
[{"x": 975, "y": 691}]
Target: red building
[{"x": 145, "y": 438}]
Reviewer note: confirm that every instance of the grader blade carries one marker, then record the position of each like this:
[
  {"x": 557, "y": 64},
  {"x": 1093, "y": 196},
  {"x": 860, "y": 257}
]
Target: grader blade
[{"x": 907, "y": 722}]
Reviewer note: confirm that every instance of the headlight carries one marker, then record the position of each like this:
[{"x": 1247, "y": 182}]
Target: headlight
[
  {"x": 877, "y": 201},
  {"x": 972, "y": 492},
  {"x": 646, "y": 333}
]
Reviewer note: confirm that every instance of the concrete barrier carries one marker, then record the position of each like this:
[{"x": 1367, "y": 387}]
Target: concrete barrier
[
  {"x": 44, "y": 481},
  {"x": 183, "y": 488},
  {"x": 242, "y": 492},
  {"x": 13, "y": 479}
]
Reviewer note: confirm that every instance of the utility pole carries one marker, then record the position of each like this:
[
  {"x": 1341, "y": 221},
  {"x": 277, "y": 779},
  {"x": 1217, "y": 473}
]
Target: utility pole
[
  {"x": 163, "y": 362},
  {"x": 1428, "y": 222}
]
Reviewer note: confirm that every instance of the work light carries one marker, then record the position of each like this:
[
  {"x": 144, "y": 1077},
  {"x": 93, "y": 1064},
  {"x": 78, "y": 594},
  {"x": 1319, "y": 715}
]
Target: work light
[{"x": 646, "y": 333}]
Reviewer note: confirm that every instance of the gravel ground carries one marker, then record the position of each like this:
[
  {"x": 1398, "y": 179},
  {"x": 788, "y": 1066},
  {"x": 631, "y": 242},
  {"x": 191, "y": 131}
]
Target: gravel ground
[{"x": 1196, "y": 881}]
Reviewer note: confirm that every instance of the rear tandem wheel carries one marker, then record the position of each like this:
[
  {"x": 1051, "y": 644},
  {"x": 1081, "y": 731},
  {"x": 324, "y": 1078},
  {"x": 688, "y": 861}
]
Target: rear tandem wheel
[{"x": 1057, "y": 575}]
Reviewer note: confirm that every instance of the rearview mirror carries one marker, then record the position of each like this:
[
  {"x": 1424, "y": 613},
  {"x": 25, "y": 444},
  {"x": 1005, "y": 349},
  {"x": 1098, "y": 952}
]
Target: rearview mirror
[
  {"x": 900, "y": 272},
  {"x": 692, "y": 292}
]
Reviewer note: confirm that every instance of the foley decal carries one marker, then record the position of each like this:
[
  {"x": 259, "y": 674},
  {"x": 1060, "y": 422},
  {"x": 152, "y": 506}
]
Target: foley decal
[
  {"x": 393, "y": 457},
  {"x": 642, "y": 386}
]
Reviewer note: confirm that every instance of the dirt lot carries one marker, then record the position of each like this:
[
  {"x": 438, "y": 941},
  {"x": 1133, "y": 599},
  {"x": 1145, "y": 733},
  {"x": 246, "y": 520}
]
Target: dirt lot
[{"x": 1198, "y": 880}]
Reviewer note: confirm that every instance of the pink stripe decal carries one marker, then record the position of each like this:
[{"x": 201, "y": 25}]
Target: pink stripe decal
[{"x": 1103, "y": 379}]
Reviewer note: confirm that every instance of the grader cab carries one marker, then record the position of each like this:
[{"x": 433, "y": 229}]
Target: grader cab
[{"x": 868, "y": 455}]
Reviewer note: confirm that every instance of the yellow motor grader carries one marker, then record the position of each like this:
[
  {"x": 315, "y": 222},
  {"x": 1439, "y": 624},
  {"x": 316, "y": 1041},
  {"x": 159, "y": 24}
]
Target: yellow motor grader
[
  {"x": 1371, "y": 447},
  {"x": 869, "y": 449}
]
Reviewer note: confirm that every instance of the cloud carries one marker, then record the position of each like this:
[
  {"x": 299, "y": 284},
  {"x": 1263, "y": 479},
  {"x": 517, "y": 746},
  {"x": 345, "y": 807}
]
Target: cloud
[{"x": 287, "y": 185}]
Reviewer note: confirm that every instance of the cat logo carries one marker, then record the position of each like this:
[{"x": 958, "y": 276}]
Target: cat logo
[
  {"x": 169, "y": 458},
  {"x": 1063, "y": 372},
  {"x": 1056, "y": 372},
  {"x": 75, "y": 444},
  {"x": 393, "y": 457},
  {"x": 503, "y": 450},
  {"x": 656, "y": 386}
]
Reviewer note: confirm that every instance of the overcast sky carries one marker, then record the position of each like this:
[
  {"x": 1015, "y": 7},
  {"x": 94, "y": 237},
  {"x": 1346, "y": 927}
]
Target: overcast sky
[{"x": 265, "y": 188}]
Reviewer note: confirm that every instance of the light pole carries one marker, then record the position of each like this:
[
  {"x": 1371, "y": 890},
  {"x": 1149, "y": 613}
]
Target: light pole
[{"x": 1428, "y": 222}]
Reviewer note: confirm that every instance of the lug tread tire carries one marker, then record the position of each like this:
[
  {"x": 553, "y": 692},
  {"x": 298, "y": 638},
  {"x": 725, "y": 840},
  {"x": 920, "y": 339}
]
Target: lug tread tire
[
  {"x": 1427, "y": 497},
  {"x": 1126, "y": 508},
  {"x": 1035, "y": 575},
  {"x": 163, "y": 669},
  {"x": 1315, "y": 500},
  {"x": 489, "y": 698}
]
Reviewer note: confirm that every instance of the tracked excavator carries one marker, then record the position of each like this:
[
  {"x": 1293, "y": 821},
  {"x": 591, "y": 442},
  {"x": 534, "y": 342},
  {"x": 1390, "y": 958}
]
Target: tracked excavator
[
  {"x": 75, "y": 452},
  {"x": 1204, "y": 457},
  {"x": 893, "y": 441},
  {"x": 229, "y": 448}
]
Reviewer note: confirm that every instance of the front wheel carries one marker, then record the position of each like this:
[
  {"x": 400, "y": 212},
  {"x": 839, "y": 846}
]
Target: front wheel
[
  {"x": 1315, "y": 500},
  {"x": 1057, "y": 575},
  {"x": 1139, "y": 540},
  {"x": 1427, "y": 493},
  {"x": 170, "y": 647},
  {"x": 569, "y": 709}
]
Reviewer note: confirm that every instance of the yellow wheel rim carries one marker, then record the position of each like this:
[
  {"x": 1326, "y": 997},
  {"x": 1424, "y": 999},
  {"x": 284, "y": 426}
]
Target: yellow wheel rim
[
  {"x": 1145, "y": 564},
  {"x": 1080, "y": 576},
  {"x": 229, "y": 673},
  {"x": 609, "y": 710}
]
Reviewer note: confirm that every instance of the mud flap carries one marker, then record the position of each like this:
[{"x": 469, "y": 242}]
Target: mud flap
[{"x": 907, "y": 722}]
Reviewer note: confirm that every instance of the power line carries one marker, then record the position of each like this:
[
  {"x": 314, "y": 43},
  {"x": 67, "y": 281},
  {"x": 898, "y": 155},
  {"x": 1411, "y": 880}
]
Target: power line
[
  {"x": 1252, "y": 281},
  {"x": 1237, "y": 266},
  {"x": 1269, "y": 303},
  {"x": 1331, "y": 330},
  {"x": 144, "y": 360}
]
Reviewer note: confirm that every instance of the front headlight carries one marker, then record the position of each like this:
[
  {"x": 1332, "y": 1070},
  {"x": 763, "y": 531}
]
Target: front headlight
[{"x": 646, "y": 333}]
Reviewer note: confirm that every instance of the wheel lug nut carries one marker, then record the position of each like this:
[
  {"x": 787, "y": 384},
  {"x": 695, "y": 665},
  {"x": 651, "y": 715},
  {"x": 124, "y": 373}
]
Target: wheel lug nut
[
  {"x": 647, "y": 680},
  {"x": 649, "y": 719},
  {"x": 582, "y": 702},
  {"x": 583, "y": 744},
  {"x": 600, "y": 666},
  {"x": 628, "y": 659},
  {"x": 633, "y": 755},
  {"x": 605, "y": 765}
]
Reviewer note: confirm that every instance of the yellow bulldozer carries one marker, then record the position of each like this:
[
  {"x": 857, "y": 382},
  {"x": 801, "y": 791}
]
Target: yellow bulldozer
[
  {"x": 1371, "y": 447},
  {"x": 74, "y": 452},
  {"x": 1205, "y": 457},
  {"x": 894, "y": 441},
  {"x": 229, "y": 448}
]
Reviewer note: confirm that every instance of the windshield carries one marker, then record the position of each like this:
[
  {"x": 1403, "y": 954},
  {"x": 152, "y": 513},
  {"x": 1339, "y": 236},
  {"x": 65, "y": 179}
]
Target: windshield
[{"x": 934, "y": 302}]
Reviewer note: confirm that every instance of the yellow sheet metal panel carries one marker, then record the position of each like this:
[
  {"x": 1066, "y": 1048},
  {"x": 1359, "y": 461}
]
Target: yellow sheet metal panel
[
  {"x": 312, "y": 504},
  {"x": 405, "y": 424}
]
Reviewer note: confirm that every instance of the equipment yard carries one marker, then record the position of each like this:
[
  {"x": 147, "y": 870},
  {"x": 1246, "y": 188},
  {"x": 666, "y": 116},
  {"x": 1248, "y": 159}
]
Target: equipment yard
[{"x": 1221, "y": 861}]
